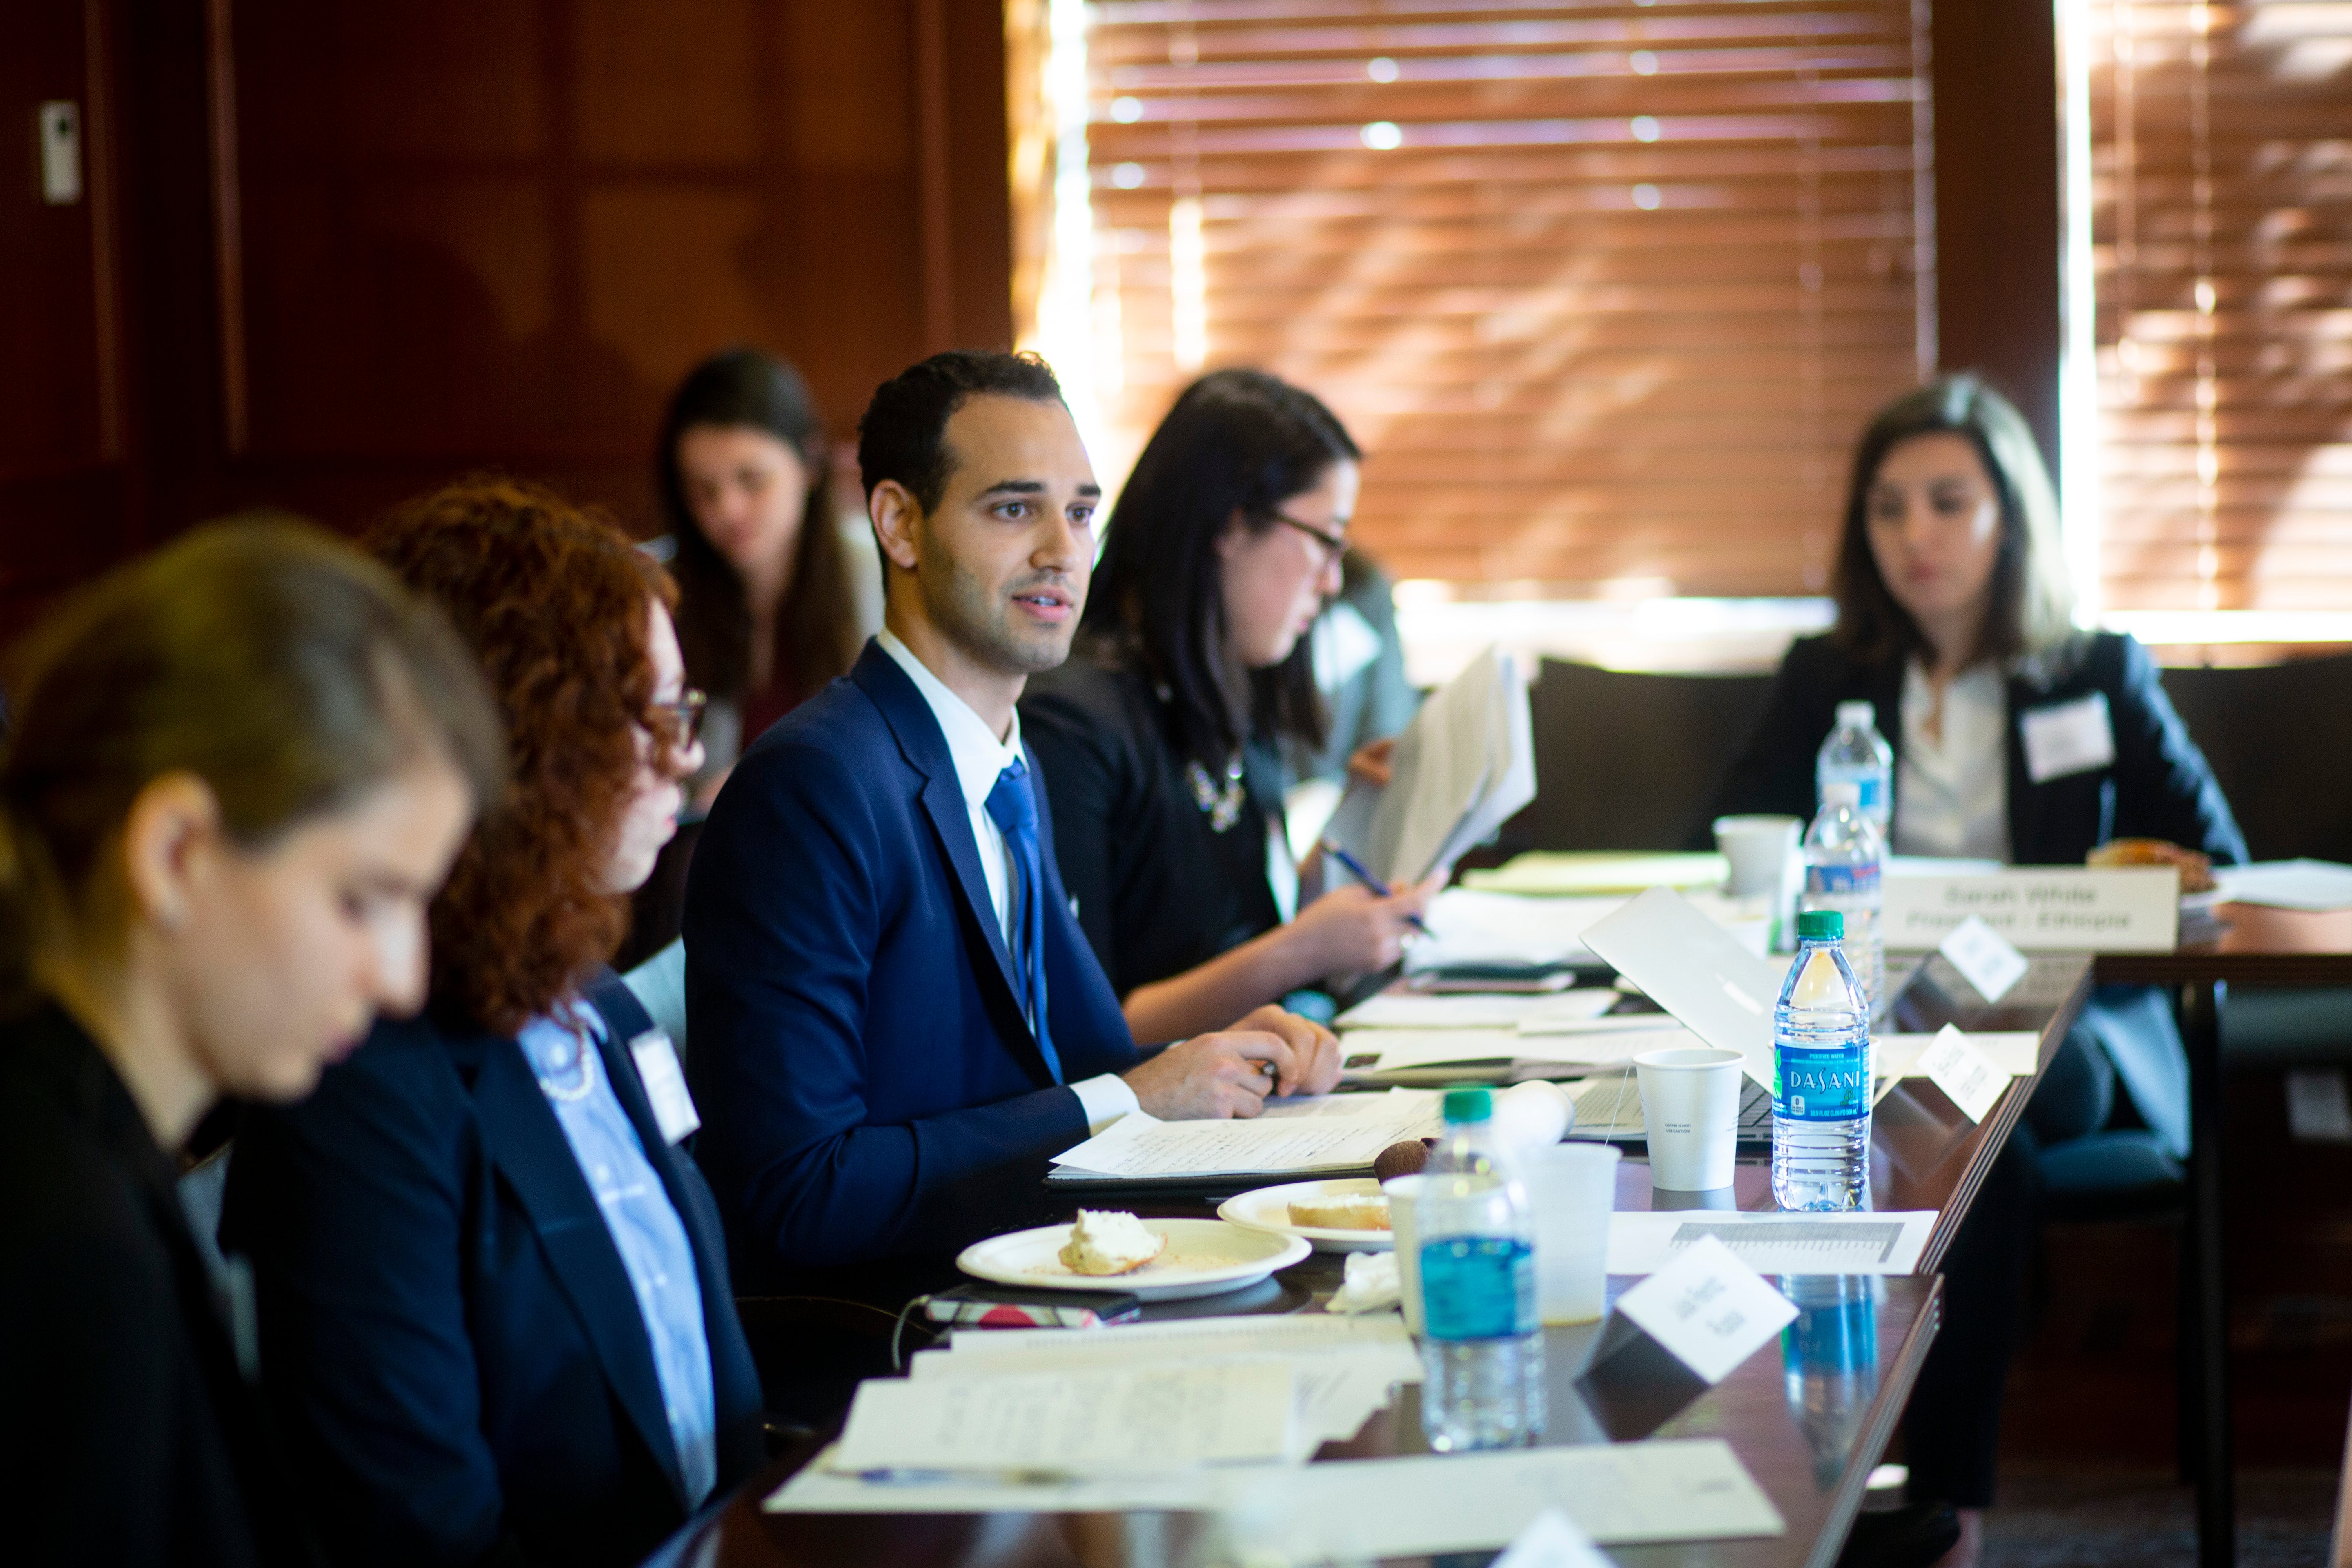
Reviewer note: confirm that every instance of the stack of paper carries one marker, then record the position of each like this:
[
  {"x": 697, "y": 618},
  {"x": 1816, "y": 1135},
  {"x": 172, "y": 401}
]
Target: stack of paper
[
  {"x": 1549, "y": 873},
  {"x": 2288, "y": 884},
  {"x": 1338, "y": 1133},
  {"x": 1368, "y": 1054},
  {"x": 1414, "y": 1010},
  {"x": 1470, "y": 927},
  {"x": 1462, "y": 768}
]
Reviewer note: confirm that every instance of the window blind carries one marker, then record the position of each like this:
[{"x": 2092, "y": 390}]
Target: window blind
[
  {"x": 2221, "y": 147},
  {"x": 1606, "y": 290}
]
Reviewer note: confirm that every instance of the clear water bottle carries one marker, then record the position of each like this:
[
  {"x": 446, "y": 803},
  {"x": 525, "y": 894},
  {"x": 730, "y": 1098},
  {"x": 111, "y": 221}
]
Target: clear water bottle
[
  {"x": 1856, "y": 752},
  {"x": 1844, "y": 855},
  {"x": 1482, "y": 1345},
  {"x": 1821, "y": 1075}
]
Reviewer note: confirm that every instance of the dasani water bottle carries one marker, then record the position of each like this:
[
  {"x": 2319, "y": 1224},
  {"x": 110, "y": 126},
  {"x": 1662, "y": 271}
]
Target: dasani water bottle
[
  {"x": 1855, "y": 752},
  {"x": 1844, "y": 855},
  {"x": 1821, "y": 1075},
  {"x": 1482, "y": 1348}
]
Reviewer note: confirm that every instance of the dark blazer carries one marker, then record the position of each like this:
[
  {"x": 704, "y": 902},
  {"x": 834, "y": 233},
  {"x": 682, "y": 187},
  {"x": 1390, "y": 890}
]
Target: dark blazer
[
  {"x": 1159, "y": 890},
  {"x": 2158, "y": 786},
  {"x": 128, "y": 1437},
  {"x": 869, "y": 1084},
  {"x": 446, "y": 1329}
]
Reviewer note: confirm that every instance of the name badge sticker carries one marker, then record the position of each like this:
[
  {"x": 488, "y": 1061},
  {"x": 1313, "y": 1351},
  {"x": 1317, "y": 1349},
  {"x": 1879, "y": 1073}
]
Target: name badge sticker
[
  {"x": 665, "y": 1083},
  {"x": 2067, "y": 738}
]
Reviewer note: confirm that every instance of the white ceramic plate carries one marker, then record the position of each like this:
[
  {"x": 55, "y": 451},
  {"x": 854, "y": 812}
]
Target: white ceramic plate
[
  {"x": 1203, "y": 1257},
  {"x": 1268, "y": 1209}
]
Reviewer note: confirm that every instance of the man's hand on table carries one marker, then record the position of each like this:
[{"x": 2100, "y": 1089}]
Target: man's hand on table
[{"x": 1212, "y": 1077}]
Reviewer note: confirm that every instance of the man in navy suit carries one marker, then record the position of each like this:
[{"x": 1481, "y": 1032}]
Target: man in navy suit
[{"x": 897, "y": 1021}]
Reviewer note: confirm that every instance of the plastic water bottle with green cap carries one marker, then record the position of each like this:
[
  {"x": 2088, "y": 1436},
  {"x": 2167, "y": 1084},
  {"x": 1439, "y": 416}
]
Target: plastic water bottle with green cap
[
  {"x": 1820, "y": 1074},
  {"x": 1482, "y": 1346}
]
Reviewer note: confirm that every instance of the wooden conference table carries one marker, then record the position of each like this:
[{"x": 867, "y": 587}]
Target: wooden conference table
[
  {"x": 2261, "y": 946},
  {"x": 1809, "y": 1425}
]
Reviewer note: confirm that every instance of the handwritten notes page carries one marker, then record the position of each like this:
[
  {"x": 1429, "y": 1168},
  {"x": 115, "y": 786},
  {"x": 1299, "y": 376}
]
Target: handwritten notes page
[{"x": 1084, "y": 1422}]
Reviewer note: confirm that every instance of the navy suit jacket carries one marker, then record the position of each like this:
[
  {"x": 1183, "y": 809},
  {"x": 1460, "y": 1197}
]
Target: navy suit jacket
[
  {"x": 2158, "y": 786},
  {"x": 869, "y": 1087},
  {"x": 448, "y": 1331}
]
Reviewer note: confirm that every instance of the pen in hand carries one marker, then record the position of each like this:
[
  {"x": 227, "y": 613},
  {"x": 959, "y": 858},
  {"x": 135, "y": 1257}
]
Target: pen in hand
[{"x": 1362, "y": 873}]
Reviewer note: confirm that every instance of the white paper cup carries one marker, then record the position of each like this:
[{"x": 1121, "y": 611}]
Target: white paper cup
[
  {"x": 1690, "y": 1106},
  {"x": 1571, "y": 1189},
  {"x": 1403, "y": 1195},
  {"x": 1759, "y": 849}
]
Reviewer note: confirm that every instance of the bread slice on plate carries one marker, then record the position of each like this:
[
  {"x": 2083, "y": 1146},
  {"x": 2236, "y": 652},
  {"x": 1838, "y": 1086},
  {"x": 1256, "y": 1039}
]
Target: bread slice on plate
[
  {"x": 1109, "y": 1241},
  {"x": 1341, "y": 1211}
]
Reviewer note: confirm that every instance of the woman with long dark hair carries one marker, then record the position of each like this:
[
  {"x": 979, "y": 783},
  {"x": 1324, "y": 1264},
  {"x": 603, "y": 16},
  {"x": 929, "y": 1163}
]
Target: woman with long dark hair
[
  {"x": 237, "y": 772},
  {"x": 1955, "y": 624},
  {"x": 766, "y": 614},
  {"x": 494, "y": 1300},
  {"x": 1161, "y": 740}
]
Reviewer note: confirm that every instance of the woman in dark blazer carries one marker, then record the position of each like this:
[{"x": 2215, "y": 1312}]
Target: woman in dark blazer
[
  {"x": 237, "y": 772},
  {"x": 494, "y": 1307},
  {"x": 1160, "y": 740},
  {"x": 2018, "y": 737}
]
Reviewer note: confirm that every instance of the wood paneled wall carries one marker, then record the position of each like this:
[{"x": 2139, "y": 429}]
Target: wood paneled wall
[
  {"x": 333, "y": 252},
  {"x": 341, "y": 252}
]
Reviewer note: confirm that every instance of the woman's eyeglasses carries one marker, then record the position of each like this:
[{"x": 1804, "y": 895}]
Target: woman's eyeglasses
[
  {"x": 681, "y": 720},
  {"x": 1333, "y": 544}
]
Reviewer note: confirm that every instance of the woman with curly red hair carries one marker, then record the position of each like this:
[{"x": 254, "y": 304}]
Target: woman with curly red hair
[{"x": 493, "y": 1298}]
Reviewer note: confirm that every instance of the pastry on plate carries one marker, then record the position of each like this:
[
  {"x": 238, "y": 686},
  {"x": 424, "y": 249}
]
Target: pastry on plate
[
  {"x": 1109, "y": 1241},
  {"x": 1341, "y": 1211},
  {"x": 2196, "y": 869}
]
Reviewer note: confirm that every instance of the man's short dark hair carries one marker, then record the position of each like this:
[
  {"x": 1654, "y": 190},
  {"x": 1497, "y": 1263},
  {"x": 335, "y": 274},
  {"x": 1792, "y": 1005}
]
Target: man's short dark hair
[{"x": 904, "y": 434}]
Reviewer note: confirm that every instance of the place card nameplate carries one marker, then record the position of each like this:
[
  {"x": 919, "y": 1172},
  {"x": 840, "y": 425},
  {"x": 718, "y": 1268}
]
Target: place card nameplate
[{"x": 2042, "y": 909}]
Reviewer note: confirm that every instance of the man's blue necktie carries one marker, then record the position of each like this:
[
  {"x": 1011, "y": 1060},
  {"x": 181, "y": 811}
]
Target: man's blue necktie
[{"x": 1013, "y": 808}]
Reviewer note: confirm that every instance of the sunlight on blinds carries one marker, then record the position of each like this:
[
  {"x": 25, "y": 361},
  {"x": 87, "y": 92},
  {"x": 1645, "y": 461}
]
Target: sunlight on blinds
[
  {"x": 2221, "y": 141},
  {"x": 1605, "y": 289}
]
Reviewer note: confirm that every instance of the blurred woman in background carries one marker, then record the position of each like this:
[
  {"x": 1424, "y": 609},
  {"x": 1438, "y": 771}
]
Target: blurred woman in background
[
  {"x": 238, "y": 771},
  {"x": 766, "y": 612},
  {"x": 1162, "y": 739},
  {"x": 2017, "y": 738},
  {"x": 494, "y": 1306}
]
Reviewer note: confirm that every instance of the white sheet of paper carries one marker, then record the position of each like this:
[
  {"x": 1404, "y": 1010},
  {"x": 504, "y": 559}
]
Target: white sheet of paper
[
  {"x": 1464, "y": 765},
  {"x": 2015, "y": 1052},
  {"x": 2067, "y": 737},
  {"x": 1304, "y": 1333},
  {"x": 1336, "y": 1390},
  {"x": 1142, "y": 1145},
  {"x": 1967, "y": 1077},
  {"x": 819, "y": 1488},
  {"x": 1984, "y": 958},
  {"x": 1468, "y": 926},
  {"x": 1617, "y": 1493},
  {"x": 1550, "y": 1541},
  {"x": 1709, "y": 1308},
  {"x": 665, "y": 1082},
  {"x": 1410, "y": 1010},
  {"x": 1643, "y": 1241},
  {"x": 1392, "y": 1050},
  {"x": 2288, "y": 884},
  {"x": 1697, "y": 972},
  {"x": 1081, "y": 1423}
]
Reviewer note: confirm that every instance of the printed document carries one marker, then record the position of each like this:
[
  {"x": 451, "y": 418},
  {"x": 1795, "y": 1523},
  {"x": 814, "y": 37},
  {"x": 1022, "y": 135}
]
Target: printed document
[{"x": 1643, "y": 1241}]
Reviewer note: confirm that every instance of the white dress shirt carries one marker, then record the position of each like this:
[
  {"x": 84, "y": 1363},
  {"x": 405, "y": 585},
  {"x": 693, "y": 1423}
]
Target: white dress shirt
[
  {"x": 978, "y": 757},
  {"x": 1951, "y": 794}
]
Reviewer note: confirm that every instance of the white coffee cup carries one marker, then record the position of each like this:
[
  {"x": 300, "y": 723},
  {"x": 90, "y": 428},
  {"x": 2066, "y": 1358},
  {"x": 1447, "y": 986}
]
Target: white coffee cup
[
  {"x": 1404, "y": 1193},
  {"x": 1690, "y": 1107},
  {"x": 1759, "y": 849},
  {"x": 1571, "y": 1191}
]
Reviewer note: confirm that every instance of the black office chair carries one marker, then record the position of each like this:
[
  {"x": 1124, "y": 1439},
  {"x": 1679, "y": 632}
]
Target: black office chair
[
  {"x": 2280, "y": 754},
  {"x": 1634, "y": 761}
]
